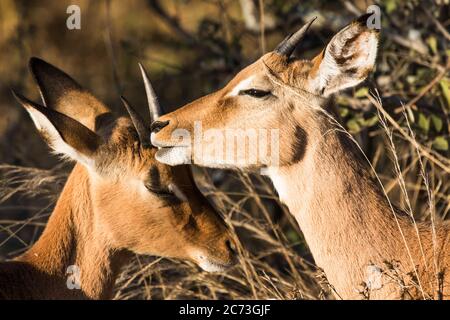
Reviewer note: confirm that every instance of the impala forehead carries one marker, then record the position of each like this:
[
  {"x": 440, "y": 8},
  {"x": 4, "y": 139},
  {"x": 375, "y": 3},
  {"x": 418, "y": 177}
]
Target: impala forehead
[
  {"x": 246, "y": 77},
  {"x": 254, "y": 76},
  {"x": 242, "y": 85}
]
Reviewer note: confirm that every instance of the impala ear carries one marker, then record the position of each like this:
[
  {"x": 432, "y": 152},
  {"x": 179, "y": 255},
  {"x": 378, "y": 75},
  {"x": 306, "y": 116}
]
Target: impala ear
[
  {"x": 62, "y": 93},
  {"x": 63, "y": 134},
  {"x": 346, "y": 60}
]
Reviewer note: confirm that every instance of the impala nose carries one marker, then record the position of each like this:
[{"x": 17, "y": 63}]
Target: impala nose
[{"x": 157, "y": 125}]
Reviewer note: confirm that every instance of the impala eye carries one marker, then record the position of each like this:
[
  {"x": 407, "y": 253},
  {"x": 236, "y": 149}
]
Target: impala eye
[{"x": 254, "y": 93}]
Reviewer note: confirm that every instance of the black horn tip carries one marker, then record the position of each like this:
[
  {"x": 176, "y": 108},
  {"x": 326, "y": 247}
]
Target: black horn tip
[
  {"x": 142, "y": 130},
  {"x": 126, "y": 104},
  {"x": 124, "y": 100},
  {"x": 288, "y": 45},
  {"x": 20, "y": 97},
  {"x": 152, "y": 100}
]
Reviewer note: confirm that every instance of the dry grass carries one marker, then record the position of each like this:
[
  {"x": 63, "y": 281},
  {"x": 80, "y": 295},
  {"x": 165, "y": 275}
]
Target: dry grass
[
  {"x": 402, "y": 129},
  {"x": 271, "y": 269}
]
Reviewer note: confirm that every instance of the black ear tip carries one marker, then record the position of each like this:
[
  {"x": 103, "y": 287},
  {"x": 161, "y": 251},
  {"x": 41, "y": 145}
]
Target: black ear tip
[
  {"x": 35, "y": 61},
  {"x": 36, "y": 64},
  {"x": 16, "y": 95},
  {"x": 363, "y": 22},
  {"x": 19, "y": 97}
]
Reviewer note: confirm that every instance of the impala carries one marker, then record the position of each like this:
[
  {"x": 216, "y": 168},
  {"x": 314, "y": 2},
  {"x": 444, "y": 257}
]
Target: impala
[
  {"x": 354, "y": 233},
  {"x": 118, "y": 200}
]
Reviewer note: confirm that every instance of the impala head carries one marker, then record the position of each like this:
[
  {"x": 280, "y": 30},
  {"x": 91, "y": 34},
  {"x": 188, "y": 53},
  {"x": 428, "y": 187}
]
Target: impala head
[
  {"x": 275, "y": 100},
  {"x": 139, "y": 204}
]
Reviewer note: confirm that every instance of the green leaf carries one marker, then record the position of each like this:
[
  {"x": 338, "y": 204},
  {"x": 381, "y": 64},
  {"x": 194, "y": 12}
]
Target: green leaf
[
  {"x": 437, "y": 122},
  {"x": 391, "y": 5},
  {"x": 362, "y": 92},
  {"x": 368, "y": 122},
  {"x": 353, "y": 126},
  {"x": 423, "y": 73},
  {"x": 372, "y": 121},
  {"x": 343, "y": 112},
  {"x": 440, "y": 143},
  {"x": 432, "y": 42},
  {"x": 424, "y": 122},
  {"x": 410, "y": 115},
  {"x": 445, "y": 84},
  {"x": 411, "y": 79},
  {"x": 343, "y": 101},
  {"x": 293, "y": 236}
]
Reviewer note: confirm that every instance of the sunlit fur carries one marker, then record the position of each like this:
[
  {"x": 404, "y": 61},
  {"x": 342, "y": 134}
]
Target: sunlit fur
[
  {"x": 327, "y": 185},
  {"x": 105, "y": 211}
]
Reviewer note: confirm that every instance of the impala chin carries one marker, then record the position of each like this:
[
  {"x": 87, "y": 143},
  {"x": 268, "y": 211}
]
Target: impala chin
[
  {"x": 174, "y": 156},
  {"x": 209, "y": 265}
]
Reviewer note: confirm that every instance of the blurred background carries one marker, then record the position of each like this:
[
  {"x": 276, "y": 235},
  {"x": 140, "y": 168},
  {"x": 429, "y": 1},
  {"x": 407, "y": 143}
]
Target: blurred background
[{"x": 191, "y": 48}]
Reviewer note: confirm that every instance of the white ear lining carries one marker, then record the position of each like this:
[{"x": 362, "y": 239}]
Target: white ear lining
[
  {"x": 54, "y": 139},
  {"x": 332, "y": 76}
]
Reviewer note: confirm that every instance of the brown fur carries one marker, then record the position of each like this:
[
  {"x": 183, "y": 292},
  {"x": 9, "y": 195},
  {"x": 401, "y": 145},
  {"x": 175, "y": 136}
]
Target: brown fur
[
  {"x": 343, "y": 213},
  {"x": 111, "y": 206}
]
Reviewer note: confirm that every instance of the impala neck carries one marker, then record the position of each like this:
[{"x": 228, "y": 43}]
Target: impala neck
[
  {"x": 345, "y": 218},
  {"x": 72, "y": 237}
]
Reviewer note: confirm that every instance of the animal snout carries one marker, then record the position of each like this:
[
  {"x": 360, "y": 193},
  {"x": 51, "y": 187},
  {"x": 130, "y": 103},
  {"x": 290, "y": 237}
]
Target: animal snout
[{"x": 162, "y": 132}]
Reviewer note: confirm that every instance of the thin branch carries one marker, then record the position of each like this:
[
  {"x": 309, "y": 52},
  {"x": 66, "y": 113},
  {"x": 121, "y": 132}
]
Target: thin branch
[
  {"x": 425, "y": 151},
  {"x": 427, "y": 88}
]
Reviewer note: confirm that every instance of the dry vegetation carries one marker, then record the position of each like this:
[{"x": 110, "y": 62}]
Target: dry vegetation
[{"x": 400, "y": 117}]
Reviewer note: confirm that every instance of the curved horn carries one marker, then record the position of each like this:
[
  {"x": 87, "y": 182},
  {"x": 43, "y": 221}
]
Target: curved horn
[
  {"x": 287, "y": 46},
  {"x": 152, "y": 99},
  {"x": 142, "y": 130}
]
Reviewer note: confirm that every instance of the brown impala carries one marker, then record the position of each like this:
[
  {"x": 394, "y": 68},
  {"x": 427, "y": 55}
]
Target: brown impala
[
  {"x": 351, "y": 228},
  {"x": 117, "y": 200}
]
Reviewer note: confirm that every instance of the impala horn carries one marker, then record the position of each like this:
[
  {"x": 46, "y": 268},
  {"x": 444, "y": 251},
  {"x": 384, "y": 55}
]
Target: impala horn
[
  {"x": 139, "y": 124},
  {"x": 152, "y": 100},
  {"x": 288, "y": 45}
]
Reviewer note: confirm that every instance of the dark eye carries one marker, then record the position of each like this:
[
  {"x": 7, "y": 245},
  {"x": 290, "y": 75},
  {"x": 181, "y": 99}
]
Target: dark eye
[{"x": 254, "y": 93}]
